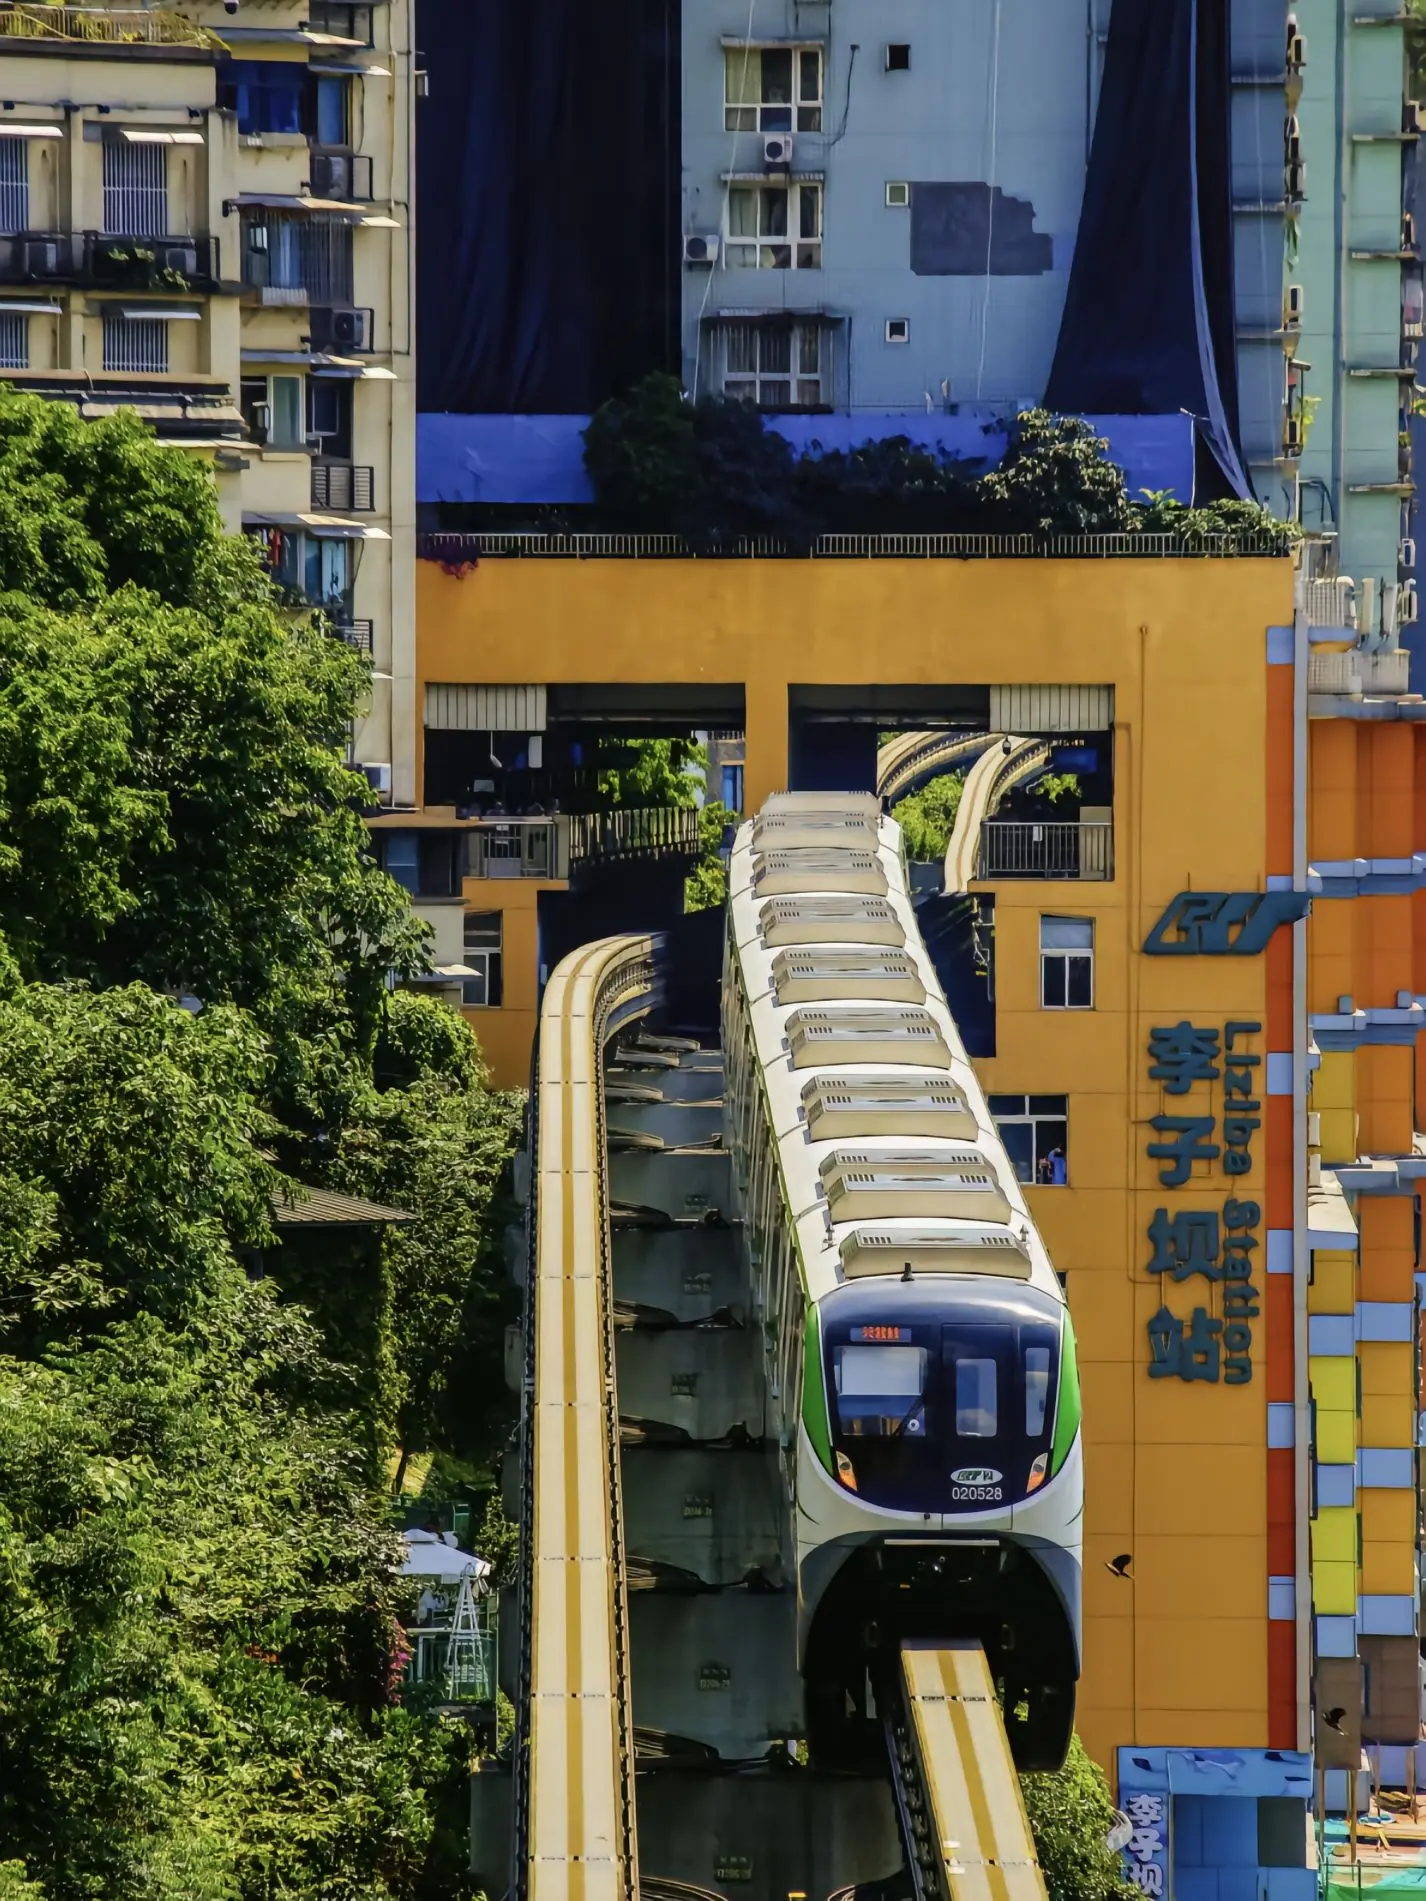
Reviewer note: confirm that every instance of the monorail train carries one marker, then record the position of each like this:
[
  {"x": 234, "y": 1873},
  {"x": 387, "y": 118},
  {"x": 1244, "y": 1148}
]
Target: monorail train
[{"x": 920, "y": 1360}]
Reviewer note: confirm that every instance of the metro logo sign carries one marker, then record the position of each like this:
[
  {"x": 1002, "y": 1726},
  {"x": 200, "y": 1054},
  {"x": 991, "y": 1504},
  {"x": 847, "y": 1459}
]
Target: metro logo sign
[{"x": 1223, "y": 923}]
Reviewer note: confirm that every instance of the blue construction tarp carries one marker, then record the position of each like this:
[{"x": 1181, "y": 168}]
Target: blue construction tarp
[{"x": 540, "y": 459}]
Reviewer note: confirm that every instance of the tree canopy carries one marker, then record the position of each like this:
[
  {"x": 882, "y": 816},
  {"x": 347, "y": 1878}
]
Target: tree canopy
[{"x": 199, "y": 1647}]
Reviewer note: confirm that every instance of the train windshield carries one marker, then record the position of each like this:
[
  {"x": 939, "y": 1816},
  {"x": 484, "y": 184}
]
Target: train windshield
[{"x": 944, "y": 1415}]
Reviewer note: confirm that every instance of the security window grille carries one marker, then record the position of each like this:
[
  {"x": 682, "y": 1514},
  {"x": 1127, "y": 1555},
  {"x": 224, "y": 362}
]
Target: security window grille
[
  {"x": 1035, "y": 1132},
  {"x": 772, "y": 88},
  {"x": 311, "y": 255},
  {"x": 140, "y": 346},
  {"x": 1067, "y": 963},
  {"x": 14, "y": 340},
  {"x": 135, "y": 190},
  {"x": 484, "y": 939},
  {"x": 775, "y": 227},
  {"x": 775, "y": 365},
  {"x": 14, "y": 184}
]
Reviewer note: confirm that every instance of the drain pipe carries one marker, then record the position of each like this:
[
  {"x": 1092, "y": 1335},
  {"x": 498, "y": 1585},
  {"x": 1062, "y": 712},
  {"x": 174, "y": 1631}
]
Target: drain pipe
[{"x": 1301, "y": 1256}]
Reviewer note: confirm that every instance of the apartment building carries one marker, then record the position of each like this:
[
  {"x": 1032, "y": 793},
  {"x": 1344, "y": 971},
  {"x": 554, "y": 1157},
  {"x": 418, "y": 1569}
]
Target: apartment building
[{"x": 206, "y": 216}]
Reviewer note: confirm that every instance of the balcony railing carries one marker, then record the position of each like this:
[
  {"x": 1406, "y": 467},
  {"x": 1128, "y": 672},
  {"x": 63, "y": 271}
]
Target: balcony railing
[
  {"x": 465, "y": 550},
  {"x": 347, "y": 488},
  {"x": 460, "y": 1667},
  {"x": 357, "y": 634},
  {"x": 1355, "y": 674},
  {"x": 109, "y": 261},
  {"x": 555, "y": 847},
  {"x": 1019, "y": 848},
  {"x": 105, "y": 26}
]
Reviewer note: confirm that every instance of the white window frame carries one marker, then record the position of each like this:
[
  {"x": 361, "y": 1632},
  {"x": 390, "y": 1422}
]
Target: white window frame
[
  {"x": 1027, "y": 1118},
  {"x": 133, "y": 333},
  {"x": 763, "y": 246},
  {"x": 1064, "y": 956},
  {"x": 802, "y": 113},
  {"x": 481, "y": 958},
  {"x": 756, "y": 383},
  {"x": 14, "y": 339},
  {"x": 898, "y": 194},
  {"x": 901, "y": 325}
]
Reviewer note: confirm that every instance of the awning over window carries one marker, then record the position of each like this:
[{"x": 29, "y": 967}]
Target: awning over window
[
  {"x": 301, "y": 201},
  {"x": 332, "y": 527}
]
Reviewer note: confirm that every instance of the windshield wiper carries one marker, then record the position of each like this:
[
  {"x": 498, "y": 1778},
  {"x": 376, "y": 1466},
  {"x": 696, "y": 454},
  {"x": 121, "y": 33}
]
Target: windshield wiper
[{"x": 911, "y": 1414}]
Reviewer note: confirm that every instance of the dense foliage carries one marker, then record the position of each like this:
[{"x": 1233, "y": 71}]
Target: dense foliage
[
  {"x": 927, "y": 817},
  {"x": 711, "y": 472},
  {"x": 199, "y": 1652},
  {"x": 1071, "y": 1814}
]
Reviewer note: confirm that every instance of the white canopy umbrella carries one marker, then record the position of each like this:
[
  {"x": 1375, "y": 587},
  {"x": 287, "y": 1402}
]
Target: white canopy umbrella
[{"x": 428, "y": 1556}]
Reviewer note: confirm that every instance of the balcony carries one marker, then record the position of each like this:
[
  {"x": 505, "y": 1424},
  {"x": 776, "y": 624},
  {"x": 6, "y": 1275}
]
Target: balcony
[
  {"x": 106, "y": 261},
  {"x": 1017, "y": 848},
  {"x": 459, "y": 1666},
  {"x": 78, "y": 28},
  {"x": 356, "y": 633},
  {"x": 344, "y": 487},
  {"x": 433, "y": 859},
  {"x": 1355, "y": 675}
]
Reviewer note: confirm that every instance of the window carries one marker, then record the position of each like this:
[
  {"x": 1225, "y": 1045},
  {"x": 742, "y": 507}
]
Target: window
[
  {"x": 1037, "y": 1390},
  {"x": 330, "y": 110},
  {"x": 975, "y": 1399},
  {"x": 775, "y": 227},
  {"x": 14, "y": 340},
  {"x": 273, "y": 410},
  {"x": 14, "y": 184},
  {"x": 484, "y": 937},
  {"x": 1067, "y": 963},
  {"x": 343, "y": 21},
  {"x": 139, "y": 344},
  {"x": 879, "y": 1390},
  {"x": 775, "y": 365},
  {"x": 772, "y": 88},
  {"x": 273, "y": 95},
  {"x": 898, "y": 57},
  {"x": 308, "y": 256},
  {"x": 135, "y": 189},
  {"x": 898, "y": 329},
  {"x": 1035, "y": 1131},
  {"x": 733, "y": 788},
  {"x": 898, "y": 193},
  {"x": 329, "y": 416}
]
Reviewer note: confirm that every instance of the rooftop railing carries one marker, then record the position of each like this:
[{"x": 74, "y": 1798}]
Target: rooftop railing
[
  {"x": 465, "y": 550},
  {"x": 557, "y": 846},
  {"x": 1017, "y": 848},
  {"x": 106, "y": 26}
]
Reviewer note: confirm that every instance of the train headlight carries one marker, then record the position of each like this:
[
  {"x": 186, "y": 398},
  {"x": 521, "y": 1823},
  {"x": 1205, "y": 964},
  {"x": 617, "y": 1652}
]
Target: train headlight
[
  {"x": 845, "y": 1473},
  {"x": 1037, "y": 1473}
]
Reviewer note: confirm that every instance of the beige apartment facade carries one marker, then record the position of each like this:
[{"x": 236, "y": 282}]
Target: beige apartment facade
[{"x": 207, "y": 215}]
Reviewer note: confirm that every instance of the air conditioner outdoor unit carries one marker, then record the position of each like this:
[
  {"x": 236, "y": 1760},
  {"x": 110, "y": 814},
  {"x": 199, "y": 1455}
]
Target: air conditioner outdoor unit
[
  {"x": 338, "y": 329},
  {"x": 378, "y": 778},
  {"x": 1292, "y": 302},
  {"x": 1295, "y": 179},
  {"x": 261, "y": 419},
  {"x": 1296, "y": 49},
  {"x": 39, "y": 257},
  {"x": 331, "y": 175},
  {"x": 182, "y": 258},
  {"x": 1406, "y": 604},
  {"x": 1406, "y": 553},
  {"x": 777, "y": 151},
  {"x": 1292, "y": 435},
  {"x": 699, "y": 250}
]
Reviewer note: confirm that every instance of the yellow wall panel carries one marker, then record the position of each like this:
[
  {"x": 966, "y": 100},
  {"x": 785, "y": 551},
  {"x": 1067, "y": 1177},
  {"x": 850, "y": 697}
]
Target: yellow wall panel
[
  {"x": 1389, "y": 1570},
  {"x": 1339, "y": 1137},
  {"x": 1332, "y": 1081},
  {"x": 1334, "y": 1535},
  {"x": 1388, "y": 1421},
  {"x": 1388, "y": 1366},
  {"x": 1334, "y": 1384},
  {"x": 1334, "y": 1284},
  {"x": 1388, "y": 1517},
  {"x": 1336, "y": 1437},
  {"x": 1334, "y": 1589},
  {"x": 1223, "y": 1668},
  {"x": 1385, "y": 1084},
  {"x": 1180, "y": 1491}
]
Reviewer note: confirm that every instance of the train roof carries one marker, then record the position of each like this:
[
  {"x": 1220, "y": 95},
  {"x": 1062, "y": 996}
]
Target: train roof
[{"x": 888, "y": 1153}]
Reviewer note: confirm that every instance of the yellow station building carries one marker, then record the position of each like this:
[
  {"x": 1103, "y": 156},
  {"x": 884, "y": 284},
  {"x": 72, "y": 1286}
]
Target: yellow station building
[{"x": 1245, "y": 1297}]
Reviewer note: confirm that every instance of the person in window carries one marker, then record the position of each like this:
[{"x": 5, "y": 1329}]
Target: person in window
[
  {"x": 1043, "y": 1175},
  {"x": 1059, "y": 1168}
]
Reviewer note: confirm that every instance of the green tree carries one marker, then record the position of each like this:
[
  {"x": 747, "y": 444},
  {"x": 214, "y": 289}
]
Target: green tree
[
  {"x": 1071, "y": 1814},
  {"x": 927, "y": 817}
]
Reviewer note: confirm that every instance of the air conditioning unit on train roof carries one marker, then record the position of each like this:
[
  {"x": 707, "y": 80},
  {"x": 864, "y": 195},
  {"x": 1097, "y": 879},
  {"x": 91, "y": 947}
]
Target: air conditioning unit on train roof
[
  {"x": 845, "y": 1034},
  {"x": 825, "y": 975},
  {"x": 851, "y": 1106},
  {"x": 825, "y": 830},
  {"x": 829, "y": 918},
  {"x": 890, "y": 1251},
  {"x": 949, "y": 1184},
  {"x": 778, "y": 872},
  {"x": 865, "y": 804}
]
